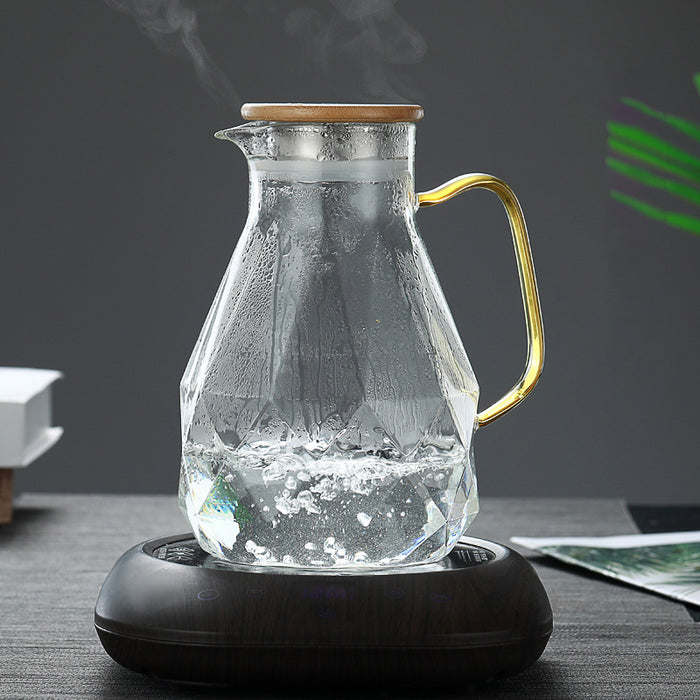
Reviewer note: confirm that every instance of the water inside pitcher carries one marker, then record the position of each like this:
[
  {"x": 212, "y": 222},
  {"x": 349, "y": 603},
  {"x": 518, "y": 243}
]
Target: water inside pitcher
[{"x": 328, "y": 408}]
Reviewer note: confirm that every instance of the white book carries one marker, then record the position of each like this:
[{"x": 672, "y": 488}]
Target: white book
[{"x": 25, "y": 415}]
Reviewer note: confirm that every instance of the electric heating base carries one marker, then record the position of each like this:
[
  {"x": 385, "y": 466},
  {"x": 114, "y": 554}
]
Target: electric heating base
[{"x": 170, "y": 610}]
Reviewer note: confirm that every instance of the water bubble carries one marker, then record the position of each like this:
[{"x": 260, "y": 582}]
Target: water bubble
[
  {"x": 310, "y": 546},
  {"x": 286, "y": 505},
  {"x": 329, "y": 545},
  {"x": 326, "y": 488},
  {"x": 360, "y": 556},
  {"x": 307, "y": 502},
  {"x": 288, "y": 559},
  {"x": 261, "y": 553},
  {"x": 271, "y": 473},
  {"x": 291, "y": 482},
  {"x": 364, "y": 519}
]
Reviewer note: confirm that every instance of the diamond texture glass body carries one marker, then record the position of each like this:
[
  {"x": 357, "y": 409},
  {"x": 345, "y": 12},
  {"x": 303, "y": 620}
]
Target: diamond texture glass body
[{"x": 328, "y": 408}]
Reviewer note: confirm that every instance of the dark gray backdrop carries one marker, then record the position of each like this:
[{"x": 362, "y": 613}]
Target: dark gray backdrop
[{"x": 120, "y": 211}]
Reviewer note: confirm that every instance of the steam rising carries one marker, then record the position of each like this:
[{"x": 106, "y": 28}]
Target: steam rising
[
  {"x": 367, "y": 34},
  {"x": 361, "y": 46},
  {"x": 172, "y": 26}
]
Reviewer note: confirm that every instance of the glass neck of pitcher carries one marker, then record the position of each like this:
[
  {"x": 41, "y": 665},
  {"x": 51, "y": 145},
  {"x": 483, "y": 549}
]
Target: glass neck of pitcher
[{"x": 330, "y": 152}]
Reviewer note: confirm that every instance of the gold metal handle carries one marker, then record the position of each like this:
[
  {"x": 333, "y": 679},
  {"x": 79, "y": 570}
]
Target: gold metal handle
[{"x": 528, "y": 283}]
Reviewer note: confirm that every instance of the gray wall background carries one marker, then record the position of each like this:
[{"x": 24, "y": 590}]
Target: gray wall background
[{"x": 119, "y": 213}]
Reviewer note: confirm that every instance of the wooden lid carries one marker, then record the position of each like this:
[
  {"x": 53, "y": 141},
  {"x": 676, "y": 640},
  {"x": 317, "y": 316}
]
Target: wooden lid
[{"x": 297, "y": 112}]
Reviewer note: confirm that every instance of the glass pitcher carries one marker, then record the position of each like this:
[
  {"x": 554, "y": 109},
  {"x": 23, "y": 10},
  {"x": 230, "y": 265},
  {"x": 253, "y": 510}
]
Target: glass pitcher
[{"x": 328, "y": 408}]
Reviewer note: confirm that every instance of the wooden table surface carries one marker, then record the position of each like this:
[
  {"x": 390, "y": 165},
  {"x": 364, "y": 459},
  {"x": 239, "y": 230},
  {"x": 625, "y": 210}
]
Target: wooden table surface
[{"x": 609, "y": 640}]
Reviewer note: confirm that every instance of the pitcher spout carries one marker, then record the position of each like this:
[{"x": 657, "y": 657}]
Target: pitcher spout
[{"x": 241, "y": 135}]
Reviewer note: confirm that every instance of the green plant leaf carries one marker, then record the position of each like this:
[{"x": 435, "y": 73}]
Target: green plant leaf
[
  {"x": 646, "y": 140},
  {"x": 683, "y": 125},
  {"x": 684, "y": 222},
  {"x": 635, "y": 154},
  {"x": 696, "y": 80},
  {"x": 678, "y": 189}
]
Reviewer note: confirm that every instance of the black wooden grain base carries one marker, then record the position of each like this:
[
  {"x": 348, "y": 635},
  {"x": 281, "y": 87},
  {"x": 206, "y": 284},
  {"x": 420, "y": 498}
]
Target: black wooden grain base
[
  {"x": 478, "y": 614},
  {"x": 290, "y": 666}
]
